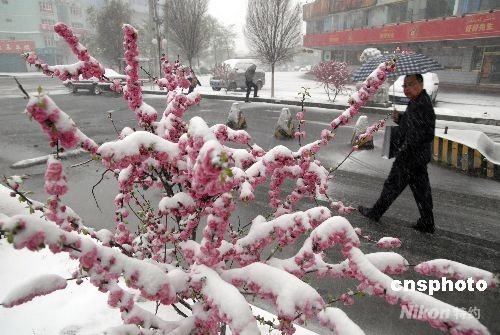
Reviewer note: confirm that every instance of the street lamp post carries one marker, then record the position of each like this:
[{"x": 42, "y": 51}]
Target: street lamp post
[{"x": 158, "y": 23}]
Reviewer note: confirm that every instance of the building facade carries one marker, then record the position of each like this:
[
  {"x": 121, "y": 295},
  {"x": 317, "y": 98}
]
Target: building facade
[
  {"x": 28, "y": 25},
  {"x": 463, "y": 35}
]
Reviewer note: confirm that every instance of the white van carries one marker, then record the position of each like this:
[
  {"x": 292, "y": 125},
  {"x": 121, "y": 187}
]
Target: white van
[{"x": 431, "y": 85}]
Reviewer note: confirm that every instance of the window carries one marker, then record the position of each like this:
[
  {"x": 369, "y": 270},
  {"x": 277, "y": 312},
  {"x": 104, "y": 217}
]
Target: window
[
  {"x": 45, "y": 6},
  {"x": 319, "y": 26},
  {"x": 48, "y": 21},
  {"x": 439, "y": 8},
  {"x": 8, "y": 19},
  {"x": 477, "y": 59},
  {"x": 489, "y": 4},
  {"x": 49, "y": 41},
  {"x": 75, "y": 11},
  {"x": 328, "y": 23},
  {"x": 397, "y": 13}
]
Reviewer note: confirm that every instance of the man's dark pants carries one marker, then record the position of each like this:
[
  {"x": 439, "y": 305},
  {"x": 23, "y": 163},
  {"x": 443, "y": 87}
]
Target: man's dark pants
[
  {"x": 403, "y": 174},
  {"x": 251, "y": 84}
]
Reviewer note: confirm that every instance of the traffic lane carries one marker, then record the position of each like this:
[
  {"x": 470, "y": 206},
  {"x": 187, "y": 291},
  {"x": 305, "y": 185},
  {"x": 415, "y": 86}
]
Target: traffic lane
[
  {"x": 24, "y": 139},
  {"x": 10, "y": 89},
  {"x": 416, "y": 248},
  {"x": 91, "y": 115}
]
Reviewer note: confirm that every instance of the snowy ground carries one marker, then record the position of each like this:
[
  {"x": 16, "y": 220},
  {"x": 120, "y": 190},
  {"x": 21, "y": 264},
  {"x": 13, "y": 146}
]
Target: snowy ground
[
  {"x": 289, "y": 84},
  {"x": 73, "y": 311},
  {"x": 86, "y": 312}
]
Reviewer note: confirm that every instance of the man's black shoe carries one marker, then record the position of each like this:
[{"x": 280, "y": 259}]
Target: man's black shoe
[
  {"x": 424, "y": 228},
  {"x": 256, "y": 96},
  {"x": 367, "y": 212}
]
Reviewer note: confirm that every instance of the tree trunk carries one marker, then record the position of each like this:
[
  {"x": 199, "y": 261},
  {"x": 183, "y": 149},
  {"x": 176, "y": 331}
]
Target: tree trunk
[
  {"x": 215, "y": 55},
  {"x": 272, "y": 80}
]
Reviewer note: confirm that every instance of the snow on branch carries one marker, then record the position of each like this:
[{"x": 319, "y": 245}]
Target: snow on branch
[
  {"x": 375, "y": 282},
  {"x": 57, "y": 125},
  {"x": 456, "y": 270},
  {"x": 38, "y": 286},
  {"x": 224, "y": 299}
]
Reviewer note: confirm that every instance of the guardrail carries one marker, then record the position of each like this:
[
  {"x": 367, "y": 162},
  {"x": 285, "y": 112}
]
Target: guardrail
[{"x": 467, "y": 151}]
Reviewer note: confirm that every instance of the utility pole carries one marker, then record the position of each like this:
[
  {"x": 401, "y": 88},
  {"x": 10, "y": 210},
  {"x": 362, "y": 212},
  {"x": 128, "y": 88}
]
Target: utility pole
[{"x": 158, "y": 22}]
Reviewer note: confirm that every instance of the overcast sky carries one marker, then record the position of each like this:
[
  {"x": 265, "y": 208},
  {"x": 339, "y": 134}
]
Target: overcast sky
[{"x": 233, "y": 12}]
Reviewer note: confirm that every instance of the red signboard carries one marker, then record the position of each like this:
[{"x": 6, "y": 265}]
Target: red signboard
[
  {"x": 16, "y": 47},
  {"x": 454, "y": 28}
]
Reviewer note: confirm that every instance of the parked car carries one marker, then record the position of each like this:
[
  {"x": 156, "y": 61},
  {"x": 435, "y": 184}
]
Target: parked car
[
  {"x": 237, "y": 76},
  {"x": 431, "y": 85},
  {"x": 93, "y": 85}
]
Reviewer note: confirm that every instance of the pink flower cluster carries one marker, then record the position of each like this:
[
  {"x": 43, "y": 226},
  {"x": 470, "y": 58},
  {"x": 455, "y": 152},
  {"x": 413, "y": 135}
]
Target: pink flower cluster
[
  {"x": 56, "y": 182},
  {"x": 65, "y": 32},
  {"x": 206, "y": 174},
  {"x": 225, "y": 134},
  {"x": 175, "y": 76},
  {"x": 88, "y": 67},
  {"x": 389, "y": 243},
  {"x": 342, "y": 210},
  {"x": 145, "y": 114},
  {"x": 116, "y": 86},
  {"x": 118, "y": 298},
  {"x": 57, "y": 124},
  {"x": 367, "y": 90},
  {"x": 180, "y": 103},
  {"x": 123, "y": 236},
  {"x": 368, "y": 134},
  {"x": 33, "y": 59}
]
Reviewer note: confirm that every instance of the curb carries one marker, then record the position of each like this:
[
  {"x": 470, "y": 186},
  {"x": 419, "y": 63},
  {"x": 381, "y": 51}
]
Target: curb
[
  {"x": 42, "y": 159},
  {"x": 382, "y": 110}
]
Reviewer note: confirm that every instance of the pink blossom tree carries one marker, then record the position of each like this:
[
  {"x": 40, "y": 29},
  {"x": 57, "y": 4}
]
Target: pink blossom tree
[
  {"x": 203, "y": 180},
  {"x": 333, "y": 76},
  {"x": 223, "y": 72}
]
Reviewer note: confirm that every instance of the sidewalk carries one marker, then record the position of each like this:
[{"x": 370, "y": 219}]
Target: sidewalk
[{"x": 456, "y": 106}]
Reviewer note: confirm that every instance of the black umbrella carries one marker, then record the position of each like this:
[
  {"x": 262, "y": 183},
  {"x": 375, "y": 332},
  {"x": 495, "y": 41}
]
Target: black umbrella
[{"x": 406, "y": 63}]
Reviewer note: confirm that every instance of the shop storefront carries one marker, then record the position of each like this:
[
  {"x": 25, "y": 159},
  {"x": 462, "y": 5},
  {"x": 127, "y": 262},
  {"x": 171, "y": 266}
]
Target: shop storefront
[
  {"x": 490, "y": 70},
  {"x": 467, "y": 46},
  {"x": 10, "y": 55}
]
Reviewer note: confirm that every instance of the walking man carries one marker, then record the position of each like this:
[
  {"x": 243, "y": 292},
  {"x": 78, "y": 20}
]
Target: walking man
[
  {"x": 412, "y": 140},
  {"x": 249, "y": 76}
]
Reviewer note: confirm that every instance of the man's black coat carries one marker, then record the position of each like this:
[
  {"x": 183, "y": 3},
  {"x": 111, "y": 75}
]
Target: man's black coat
[{"x": 413, "y": 138}]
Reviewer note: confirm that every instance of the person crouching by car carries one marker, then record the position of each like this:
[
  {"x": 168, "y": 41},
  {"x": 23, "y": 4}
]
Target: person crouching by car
[
  {"x": 193, "y": 81},
  {"x": 249, "y": 76}
]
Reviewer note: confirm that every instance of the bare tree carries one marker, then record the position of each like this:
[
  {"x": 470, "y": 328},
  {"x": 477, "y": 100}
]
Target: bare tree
[
  {"x": 222, "y": 39},
  {"x": 108, "y": 22},
  {"x": 184, "y": 23},
  {"x": 273, "y": 30}
]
